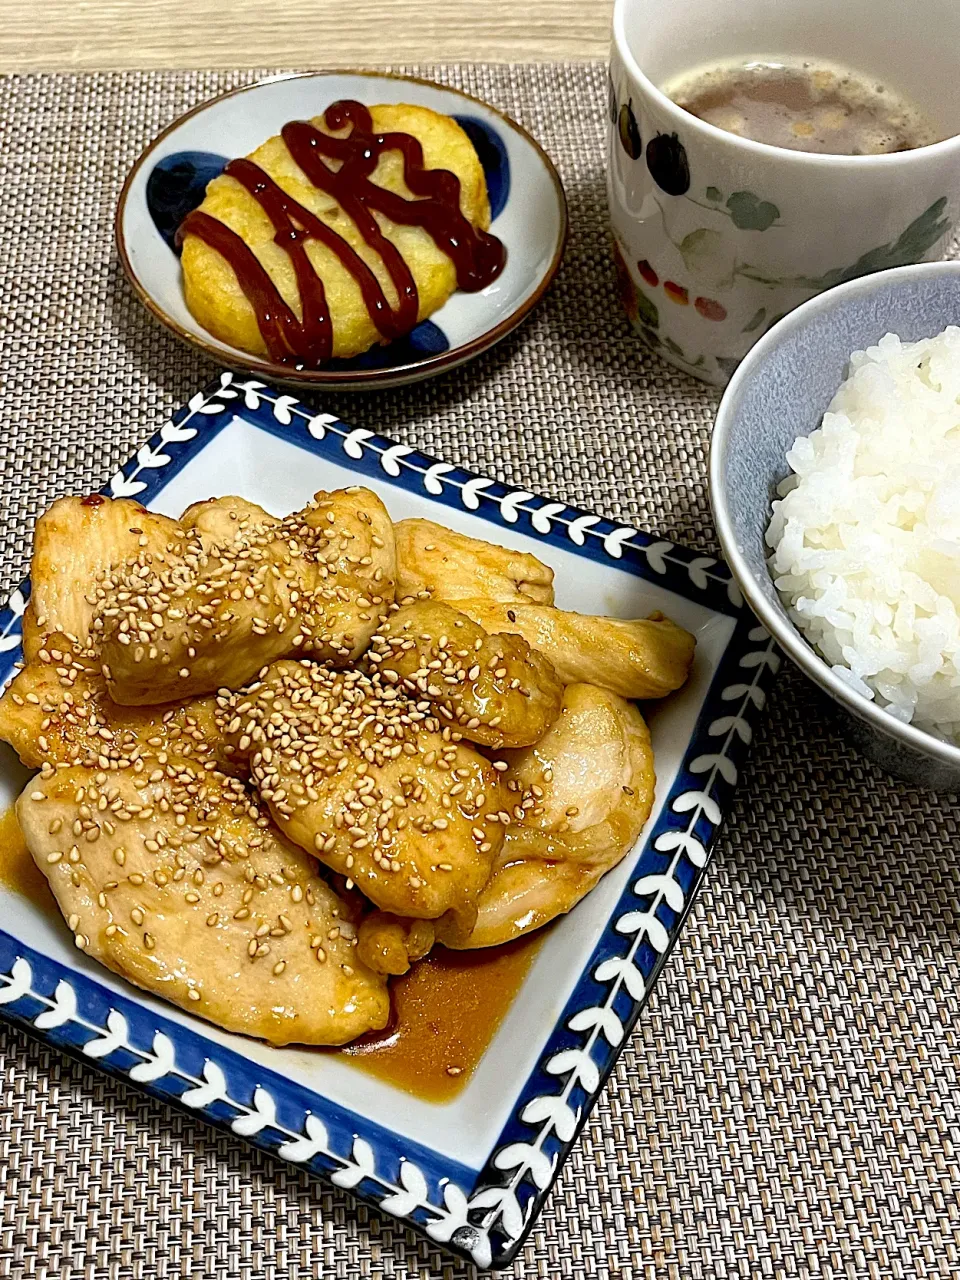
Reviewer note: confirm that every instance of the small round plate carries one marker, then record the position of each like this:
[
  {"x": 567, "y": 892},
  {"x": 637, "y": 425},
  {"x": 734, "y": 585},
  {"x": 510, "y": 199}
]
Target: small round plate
[{"x": 529, "y": 214}]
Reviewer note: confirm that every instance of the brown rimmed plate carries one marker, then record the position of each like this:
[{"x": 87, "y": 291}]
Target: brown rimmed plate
[{"x": 526, "y": 196}]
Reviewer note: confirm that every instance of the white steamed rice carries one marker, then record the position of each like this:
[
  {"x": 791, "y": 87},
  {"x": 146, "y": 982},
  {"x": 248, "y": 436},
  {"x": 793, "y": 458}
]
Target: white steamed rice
[{"x": 866, "y": 535}]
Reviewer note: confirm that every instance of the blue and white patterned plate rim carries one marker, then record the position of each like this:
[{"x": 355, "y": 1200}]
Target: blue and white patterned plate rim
[{"x": 482, "y": 1214}]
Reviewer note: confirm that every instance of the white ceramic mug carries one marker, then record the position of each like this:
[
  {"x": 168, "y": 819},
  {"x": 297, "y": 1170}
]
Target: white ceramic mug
[{"x": 717, "y": 236}]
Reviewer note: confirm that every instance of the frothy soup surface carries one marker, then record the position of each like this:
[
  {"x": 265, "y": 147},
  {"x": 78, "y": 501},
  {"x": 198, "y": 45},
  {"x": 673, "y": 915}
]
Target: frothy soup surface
[{"x": 804, "y": 105}]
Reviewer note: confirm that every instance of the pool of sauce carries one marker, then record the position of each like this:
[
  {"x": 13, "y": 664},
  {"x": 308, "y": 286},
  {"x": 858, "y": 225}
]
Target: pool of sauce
[
  {"x": 18, "y": 871},
  {"x": 445, "y": 1011}
]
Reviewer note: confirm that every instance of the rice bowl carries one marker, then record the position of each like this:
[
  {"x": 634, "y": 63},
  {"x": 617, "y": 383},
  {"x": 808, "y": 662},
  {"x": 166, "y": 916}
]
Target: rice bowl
[{"x": 865, "y": 535}]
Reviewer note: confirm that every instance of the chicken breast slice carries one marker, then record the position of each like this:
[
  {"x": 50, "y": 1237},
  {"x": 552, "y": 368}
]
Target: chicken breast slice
[
  {"x": 493, "y": 689},
  {"x": 580, "y": 798},
  {"x": 57, "y": 711},
  {"x": 373, "y": 784},
  {"x": 218, "y": 521},
  {"x": 635, "y": 657},
  {"x": 578, "y": 801},
  {"x": 318, "y": 582},
  {"x": 169, "y": 876},
  {"x": 447, "y": 565},
  {"x": 391, "y": 944},
  {"x": 75, "y": 543}
]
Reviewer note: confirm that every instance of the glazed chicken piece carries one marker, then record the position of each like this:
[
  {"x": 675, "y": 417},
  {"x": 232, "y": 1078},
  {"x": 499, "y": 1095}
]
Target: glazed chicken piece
[
  {"x": 318, "y": 582},
  {"x": 578, "y": 801},
  {"x": 75, "y": 543},
  {"x": 584, "y": 791},
  {"x": 218, "y": 521},
  {"x": 372, "y": 783},
  {"x": 57, "y": 710},
  {"x": 512, "y": 592},
  {"x": 446, "y": 565},
  {"x": 635, "y": 658},
  {"x": 169, "y": 876},
  {"x": 391, "y": 944},
  {"x": 494, "y": 690}
]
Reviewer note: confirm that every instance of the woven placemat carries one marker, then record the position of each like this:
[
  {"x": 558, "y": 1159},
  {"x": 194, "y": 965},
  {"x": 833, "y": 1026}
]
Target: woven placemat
[{"x": 788, "y": 1104}]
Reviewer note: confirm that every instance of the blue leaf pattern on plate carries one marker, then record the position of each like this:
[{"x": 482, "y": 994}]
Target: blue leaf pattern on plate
[
  {"x": 493, "y": 157},
  {"x": 427, "y": 339},
  {"x": 177, "y": 185}
]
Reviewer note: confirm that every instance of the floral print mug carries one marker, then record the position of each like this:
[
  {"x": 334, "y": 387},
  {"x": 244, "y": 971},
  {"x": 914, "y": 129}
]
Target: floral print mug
[{"x": 716, "y": 236}]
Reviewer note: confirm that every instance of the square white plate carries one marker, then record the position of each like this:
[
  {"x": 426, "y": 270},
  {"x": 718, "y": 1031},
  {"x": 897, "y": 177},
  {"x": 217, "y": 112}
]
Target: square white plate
[{"x": 472, "y": 1172}]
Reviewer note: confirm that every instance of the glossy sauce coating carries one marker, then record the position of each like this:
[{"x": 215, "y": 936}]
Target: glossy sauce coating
[
  {"x": 477, "y": 256},
  {"x": 445, "y": 1011}
]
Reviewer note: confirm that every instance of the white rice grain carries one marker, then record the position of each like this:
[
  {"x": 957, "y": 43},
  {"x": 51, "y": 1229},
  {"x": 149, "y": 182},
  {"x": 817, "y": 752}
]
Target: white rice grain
[{"x": 866, "y": 533}]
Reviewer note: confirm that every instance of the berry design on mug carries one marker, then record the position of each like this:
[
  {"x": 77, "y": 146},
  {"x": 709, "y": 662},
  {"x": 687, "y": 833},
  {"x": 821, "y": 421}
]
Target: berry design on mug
[
  {"x": 629, "y": 130},
  {"x": 668, "y": 164},
  {"x": 710, "y": 309}
]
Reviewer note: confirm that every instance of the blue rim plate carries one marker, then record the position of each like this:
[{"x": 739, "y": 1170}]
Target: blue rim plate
[
  {"x": 473, "y": 1173},
  {"x": 527, "y": 205}
]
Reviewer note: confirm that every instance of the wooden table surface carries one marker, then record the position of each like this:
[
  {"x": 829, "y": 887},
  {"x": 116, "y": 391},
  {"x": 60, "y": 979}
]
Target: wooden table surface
[{"x": 66, "y": 35}]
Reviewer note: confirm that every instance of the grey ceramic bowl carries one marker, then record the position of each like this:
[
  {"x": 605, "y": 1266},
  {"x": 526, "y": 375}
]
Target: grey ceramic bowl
[{"x": 780, "y": 392}]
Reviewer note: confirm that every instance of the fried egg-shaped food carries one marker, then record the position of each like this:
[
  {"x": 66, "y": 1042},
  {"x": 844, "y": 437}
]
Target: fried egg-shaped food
[
  {"x": 371, "y": 783},
  {"x": 298, "y": 253},
  {"x": 494, "y": 690},
  {"x": 445, "y": 565},
  {"x": 633, "y": 657},
  {"x": 317, "y": 582},
  {"x": 579, "y": 799},
  {"x": 168, "y": 875}
]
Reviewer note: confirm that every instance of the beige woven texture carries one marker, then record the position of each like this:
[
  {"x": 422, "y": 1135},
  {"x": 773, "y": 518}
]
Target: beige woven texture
[{"x": 789, "y": 1103}]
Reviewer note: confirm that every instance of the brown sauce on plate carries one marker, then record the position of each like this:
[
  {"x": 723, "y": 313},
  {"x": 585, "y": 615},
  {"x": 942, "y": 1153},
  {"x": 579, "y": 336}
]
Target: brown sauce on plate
[
  {"x": 445, "y": 1011},
  {"x": 477, "y": 256},
  {"x": 18, "y": 871}
]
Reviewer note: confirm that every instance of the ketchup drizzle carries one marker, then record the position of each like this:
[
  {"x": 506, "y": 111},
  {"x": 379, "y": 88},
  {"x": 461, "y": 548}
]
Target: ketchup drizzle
[{"x": 477, "y": 256}]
